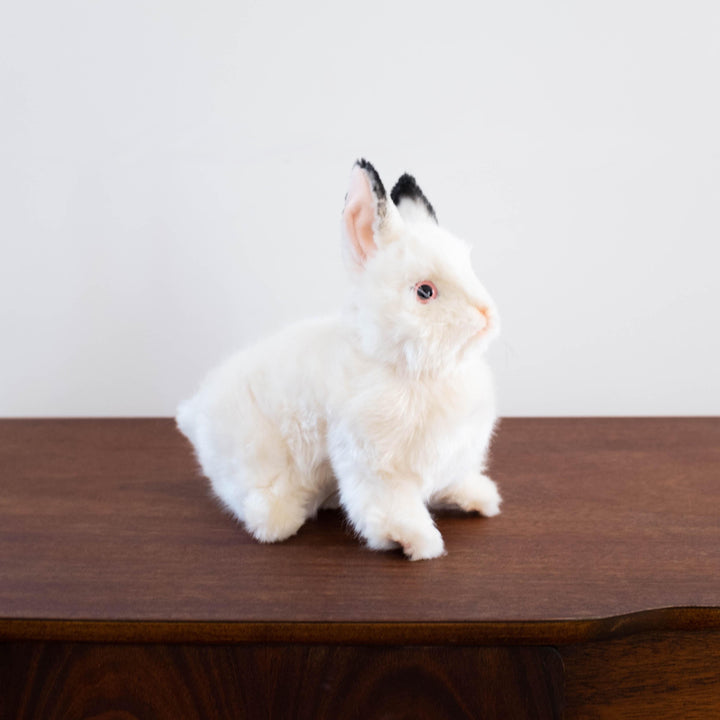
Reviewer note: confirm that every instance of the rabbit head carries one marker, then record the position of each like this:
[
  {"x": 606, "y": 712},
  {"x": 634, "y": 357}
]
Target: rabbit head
[{"x": 415, "y": 300}]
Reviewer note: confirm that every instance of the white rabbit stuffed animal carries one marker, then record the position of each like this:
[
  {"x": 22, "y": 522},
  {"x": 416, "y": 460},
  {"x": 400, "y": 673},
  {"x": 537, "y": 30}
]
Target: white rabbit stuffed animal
[{"x": 386, "y": 408}]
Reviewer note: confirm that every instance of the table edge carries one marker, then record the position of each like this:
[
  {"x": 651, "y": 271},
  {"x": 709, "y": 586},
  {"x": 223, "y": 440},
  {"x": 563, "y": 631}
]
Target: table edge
[{"x": 555, "y": 632}]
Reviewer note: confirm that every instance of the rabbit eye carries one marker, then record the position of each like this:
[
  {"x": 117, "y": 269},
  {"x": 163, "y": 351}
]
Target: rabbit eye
[{"x": 425, "y": 291}]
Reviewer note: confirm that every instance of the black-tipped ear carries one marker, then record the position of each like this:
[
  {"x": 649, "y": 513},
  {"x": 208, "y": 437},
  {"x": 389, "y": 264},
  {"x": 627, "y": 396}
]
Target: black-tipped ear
[
  {"x": 410, "y": 201},
  {"x": 375, "y": 182},
  {"x": 365, "y": 212}
]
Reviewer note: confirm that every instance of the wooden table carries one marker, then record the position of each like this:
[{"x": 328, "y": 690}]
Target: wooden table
[{"x": 125, "y": 592}]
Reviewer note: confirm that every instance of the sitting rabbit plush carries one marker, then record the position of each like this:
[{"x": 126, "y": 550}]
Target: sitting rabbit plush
[{"x": 386, "y": 409}]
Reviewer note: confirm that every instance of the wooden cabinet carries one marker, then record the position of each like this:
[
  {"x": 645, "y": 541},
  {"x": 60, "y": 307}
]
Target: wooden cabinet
[{"x": 126, "y": 592}]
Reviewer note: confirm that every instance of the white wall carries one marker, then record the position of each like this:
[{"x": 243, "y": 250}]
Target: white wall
[{"x": 172, "y": 173}]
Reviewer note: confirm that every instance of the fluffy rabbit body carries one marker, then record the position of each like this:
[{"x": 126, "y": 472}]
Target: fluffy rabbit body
[{"x": 386, "y": 409}]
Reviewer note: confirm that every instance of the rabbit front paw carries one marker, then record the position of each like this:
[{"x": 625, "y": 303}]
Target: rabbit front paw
[
  {"x": 424, "y": 545},
  {"x": 416, "y": 544},
  {"x": 476, "y": 493},
  {"x": 488, "y": 499},
  {"x": 417, "y": 536}
]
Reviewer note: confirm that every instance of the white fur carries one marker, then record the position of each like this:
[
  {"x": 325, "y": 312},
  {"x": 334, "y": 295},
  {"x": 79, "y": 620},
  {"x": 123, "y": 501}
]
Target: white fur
[{"x": 388, "y": 405}]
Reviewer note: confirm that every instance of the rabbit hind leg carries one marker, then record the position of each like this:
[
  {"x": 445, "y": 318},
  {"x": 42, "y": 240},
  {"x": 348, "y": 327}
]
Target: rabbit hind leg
[
  {"x": 264, "y": 490},
  {"x": 275, "y": 512}
]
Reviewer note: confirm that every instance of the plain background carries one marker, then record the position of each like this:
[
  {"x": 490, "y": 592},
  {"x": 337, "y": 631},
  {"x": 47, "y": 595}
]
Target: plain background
[{"x": 172, "y": 176}]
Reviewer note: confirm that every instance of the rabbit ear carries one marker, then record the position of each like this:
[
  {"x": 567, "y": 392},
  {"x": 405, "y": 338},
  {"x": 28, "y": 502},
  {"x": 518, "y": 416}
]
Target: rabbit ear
[
  {"x": 410, "y": 201},
  {"x": 365, "y": 212}
]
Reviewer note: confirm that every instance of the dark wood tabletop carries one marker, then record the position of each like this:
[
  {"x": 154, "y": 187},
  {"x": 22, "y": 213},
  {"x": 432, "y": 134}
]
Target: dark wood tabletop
[{"x": 108, "y": 530}]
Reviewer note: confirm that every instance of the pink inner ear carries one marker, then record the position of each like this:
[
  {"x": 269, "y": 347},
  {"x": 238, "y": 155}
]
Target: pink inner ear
[{"x": 359, "y": 217}]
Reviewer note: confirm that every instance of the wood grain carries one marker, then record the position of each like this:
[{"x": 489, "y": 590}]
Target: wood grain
[
  {"x": 675, "y": 676},
  {"x": 54, "y": 681},
  {"x": 609, "y": 526}
]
